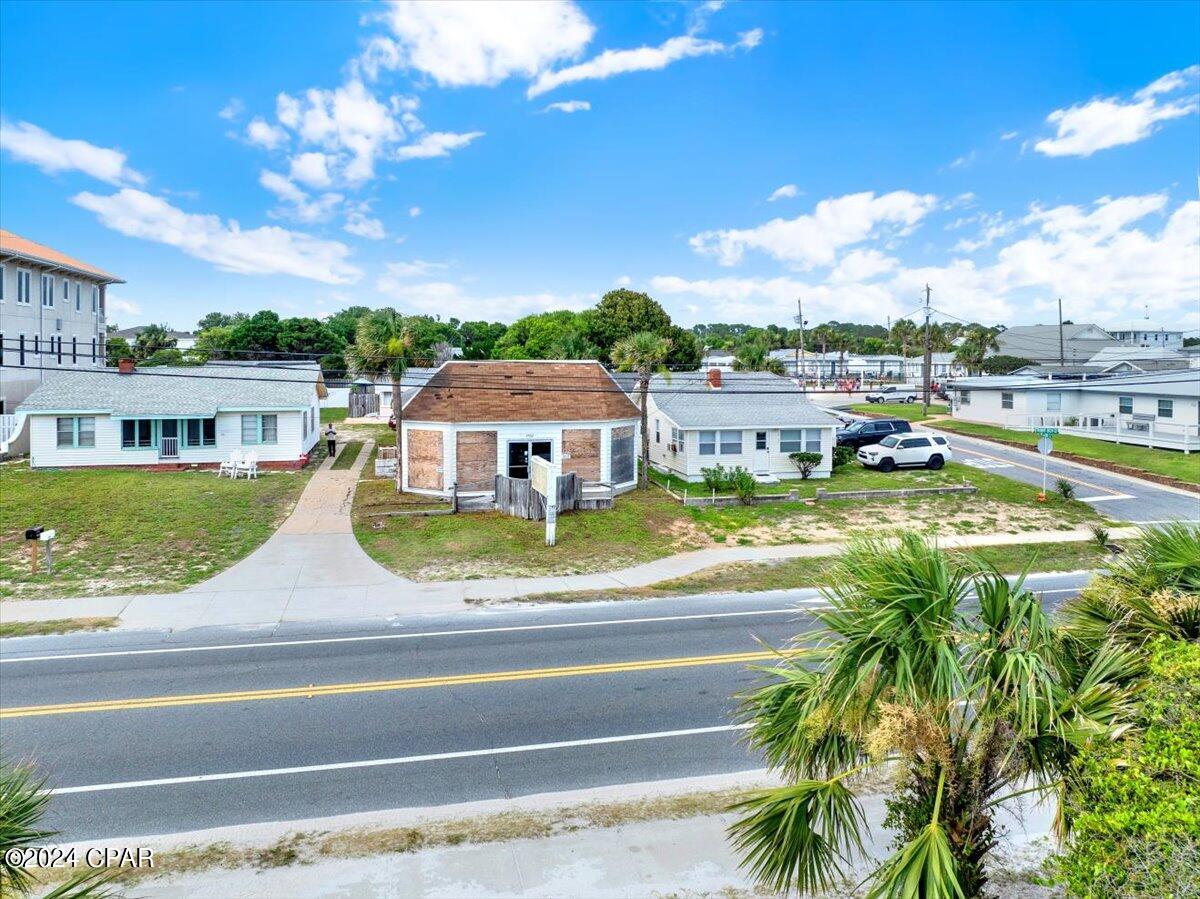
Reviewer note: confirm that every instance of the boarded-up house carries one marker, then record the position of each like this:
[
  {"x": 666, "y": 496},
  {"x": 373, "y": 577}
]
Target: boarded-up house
[{"x": 474, "y": 420}]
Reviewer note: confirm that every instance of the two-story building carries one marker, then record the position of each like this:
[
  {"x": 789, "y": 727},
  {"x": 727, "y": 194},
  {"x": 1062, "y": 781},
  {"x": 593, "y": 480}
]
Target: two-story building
[{"x": 51, "y": 315}]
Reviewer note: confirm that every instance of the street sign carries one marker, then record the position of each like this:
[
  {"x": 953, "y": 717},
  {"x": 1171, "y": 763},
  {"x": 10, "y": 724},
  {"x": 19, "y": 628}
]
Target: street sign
[{"x": 1045, "y": 446}]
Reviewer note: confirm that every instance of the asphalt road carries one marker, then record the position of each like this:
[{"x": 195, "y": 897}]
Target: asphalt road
[{"x": 150, "y": 733}]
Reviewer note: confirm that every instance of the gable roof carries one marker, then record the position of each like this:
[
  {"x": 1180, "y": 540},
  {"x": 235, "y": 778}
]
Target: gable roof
[
  {"x": 13, "y": 245},
  {"x": 534, "y": 390},
  {"x": 1134, "y": 354},
  {"x": 1178, "y": 382},
  {"x": 1039, "y": 343},
  {"x": 745, "y": 400},
  {"x": 170, "y": 390},
  {"x": 132, "y": 333}
]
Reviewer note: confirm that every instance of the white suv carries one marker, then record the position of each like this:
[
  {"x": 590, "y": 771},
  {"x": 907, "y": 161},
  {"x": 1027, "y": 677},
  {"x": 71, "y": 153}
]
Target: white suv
[
  {"x": 921, "y": 449},
  {"x": 894, "y": 393}
]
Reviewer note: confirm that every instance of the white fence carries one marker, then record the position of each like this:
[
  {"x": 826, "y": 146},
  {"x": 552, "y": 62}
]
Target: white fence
[{"x": 1139, "y": 429}]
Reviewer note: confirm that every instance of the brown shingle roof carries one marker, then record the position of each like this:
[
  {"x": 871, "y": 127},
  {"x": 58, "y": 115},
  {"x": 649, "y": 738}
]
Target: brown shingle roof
[
  {"x": 520, "y": 391},
  {"x": 15, "y": 245}
]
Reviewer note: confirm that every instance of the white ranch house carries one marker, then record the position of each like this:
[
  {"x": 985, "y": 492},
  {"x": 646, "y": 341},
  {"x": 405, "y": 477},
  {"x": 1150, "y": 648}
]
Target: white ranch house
[
  {"x": 173, "y": 416},
  {"x": 753, "y": 419},
  {"x": 1156, "y": 409}
]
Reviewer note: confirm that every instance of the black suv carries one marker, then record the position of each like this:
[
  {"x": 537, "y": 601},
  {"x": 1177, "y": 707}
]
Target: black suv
[{"x": 871, "y": 430}]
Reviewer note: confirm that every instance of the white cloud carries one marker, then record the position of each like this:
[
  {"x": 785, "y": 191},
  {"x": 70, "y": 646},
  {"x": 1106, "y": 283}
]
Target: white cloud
[
  {"x": 640, "y": 59},
  {"x": 301, "y": 207},
  {"x": 260, "y": 251},
  {"x": 361, "y": 225},
  {"x": 29, "y": 143},
  {"x": 623, "y": 281},
  {"x": 414, "y": 211},
  {"x": 813, "y": 240},
  {"x": 788, "y": 190},
  {"x": 1008, "y": 135},
  {"x": 436, "y": 297},
  {"x": 125, "y": 307},
  {"x": 1106, "y": 122},
  {"x": 569, "y": 106},
  {"x": 231, "y": 110},
  {"x": 417, "y": 268},
  {"x": 992, "y": 227},
  {"x": 436, "y": 143},
  {"x": 262, "y": 133},
  {"x": 963, "y": 161},
  {"x": 477, "y": 42},
  {"x": 349, "y": 122},
  {"x": 311, "y": 169}
]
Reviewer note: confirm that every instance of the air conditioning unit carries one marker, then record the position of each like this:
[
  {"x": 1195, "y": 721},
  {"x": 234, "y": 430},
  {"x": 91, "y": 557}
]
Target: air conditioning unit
[{"x": 673, "y": 447}]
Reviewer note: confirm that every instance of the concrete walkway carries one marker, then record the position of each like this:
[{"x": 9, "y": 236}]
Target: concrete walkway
[{"x": 313, "y": 569}]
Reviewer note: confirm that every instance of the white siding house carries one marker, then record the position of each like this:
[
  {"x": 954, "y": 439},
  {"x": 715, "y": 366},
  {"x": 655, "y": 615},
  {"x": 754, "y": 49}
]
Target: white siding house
[
  {"x": 698, "y": 420},
  {"x": 172, "y": 417},
  {"x": 1158, "y": 409}
]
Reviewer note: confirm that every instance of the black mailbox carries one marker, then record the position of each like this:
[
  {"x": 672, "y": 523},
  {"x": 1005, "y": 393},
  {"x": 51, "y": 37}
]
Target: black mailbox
[{"x": 34, "y": 533}]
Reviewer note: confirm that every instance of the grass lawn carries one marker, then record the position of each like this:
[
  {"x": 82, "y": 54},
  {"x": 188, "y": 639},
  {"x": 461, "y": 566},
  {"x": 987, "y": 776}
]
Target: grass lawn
[
  {"x": 346, "y": 455},
  {"x": 54, "y": 626},
  {"x": 848, "y": 477},
  {"x": 331, "y": 414},
  {"x": 125, "y": 531},
  {"x": 790, "y": 574},
  {"x": 1157, "y": 461},
  {"x": 646, "y": 525},
  {"x": 907, "y": 411}
]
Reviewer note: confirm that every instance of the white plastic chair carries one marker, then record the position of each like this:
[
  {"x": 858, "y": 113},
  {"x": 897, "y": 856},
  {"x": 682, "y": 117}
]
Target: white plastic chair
[
  {"x": 249, "y": 465},
  {"x": 229, "y": 466}
]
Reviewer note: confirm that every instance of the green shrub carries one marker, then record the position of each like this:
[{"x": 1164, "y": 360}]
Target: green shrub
[
  {"x": 1065, "y": 488},
  {"x": 844, "y": 455},
  {"x": 806, "y": 462},
  {"x": 724, "y": 479},
  {"x": 1099, "y": 534},
  {"x": 1134, "y": 804},
  {"x": 744, "y": 485}
]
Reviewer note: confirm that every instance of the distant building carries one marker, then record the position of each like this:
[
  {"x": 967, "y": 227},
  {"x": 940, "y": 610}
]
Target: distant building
[
  {"x": 1144, "y": 335},
  {"x": 184, "y": 340},
  {"x": 51, "y": 315},
  {"x": 1040, "y": 343}
]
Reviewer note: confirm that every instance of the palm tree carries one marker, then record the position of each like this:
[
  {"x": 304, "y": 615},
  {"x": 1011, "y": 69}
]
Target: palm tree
[
  {"x": 575, "y": 345},
  {"x": 382, "y": 343},
  {"x": 977, "y": 343},
  {"x": 822, "y": 336},
  {"x": 756, "y": 357},
  {"x": 150, "y": 340},
  {"x": 644, "y": 353},
  {"x": 968, "y": 709}
]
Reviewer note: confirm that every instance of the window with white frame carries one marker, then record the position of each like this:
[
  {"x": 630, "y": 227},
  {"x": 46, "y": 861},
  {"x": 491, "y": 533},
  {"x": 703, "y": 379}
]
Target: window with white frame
[
  {"x": 964, "y": 397},
  {"x": 1166, "y": 408},
  {"x": 23, "y": 282},
  {"x": 66, "y": 292},
  {"x": 3, "y": 272},
  {"x": 78, "y": 296},
  {"x": 76, "y": 432},
  {"x": 260, "y": 429},
  {"x": 48, "y": 291},
  {"x": 731, "y": 443},
  {"x": 1006, "y": 399},
  {"x": 677, "y": 439},
  {"x": 1125, "y": 405},
  {"x": 658, "y": 430},
  {"x": 800, "y": 440},
  {"x": 95, "y": 299},
  {"x": 708, "y": 443},
  {"x": 1054, "y": 401}
]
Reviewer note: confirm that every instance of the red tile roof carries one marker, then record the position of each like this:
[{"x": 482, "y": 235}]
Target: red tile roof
[
  {"x": 21, "y": 247},
  {"x": 520, "y": 391}
]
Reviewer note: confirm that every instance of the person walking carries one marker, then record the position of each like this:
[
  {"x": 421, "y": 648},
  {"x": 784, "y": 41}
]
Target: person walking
[{"x": 331, "y": 441}]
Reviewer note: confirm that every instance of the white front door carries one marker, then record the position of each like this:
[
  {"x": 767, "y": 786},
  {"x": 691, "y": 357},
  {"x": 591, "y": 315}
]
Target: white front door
[{"x": 762, "y": 458}]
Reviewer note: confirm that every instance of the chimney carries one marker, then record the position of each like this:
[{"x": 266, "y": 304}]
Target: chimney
[
  {"x": 125, "y": 366},
  {"x": 714, "y": 378}
]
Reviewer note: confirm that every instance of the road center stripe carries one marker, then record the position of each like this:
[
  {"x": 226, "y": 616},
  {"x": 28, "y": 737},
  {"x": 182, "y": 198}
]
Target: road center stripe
[
  {"x": 400, "y": 760},
  {"x": 312, "y": 691}
]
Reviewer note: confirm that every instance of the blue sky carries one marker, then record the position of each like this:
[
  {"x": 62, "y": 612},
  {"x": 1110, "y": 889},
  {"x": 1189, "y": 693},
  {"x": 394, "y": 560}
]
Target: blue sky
[{"x": 487, "y": 161}]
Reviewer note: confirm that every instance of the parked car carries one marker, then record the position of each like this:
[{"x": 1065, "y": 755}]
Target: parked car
[
  {"x": 917, "y": 449},
  {"x": 894, "y": 393},
  {"x": 871, "y": 430}
]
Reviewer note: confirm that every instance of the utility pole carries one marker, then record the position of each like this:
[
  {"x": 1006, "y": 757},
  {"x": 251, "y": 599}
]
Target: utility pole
[
  {"x": 928, "y": 366},
  {"x": 800, "y": 322},
  {"x": 1062, "y": 355}
]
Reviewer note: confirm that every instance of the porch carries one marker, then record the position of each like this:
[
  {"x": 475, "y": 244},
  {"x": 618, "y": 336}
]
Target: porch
[{"x": 1135, "y": 429}]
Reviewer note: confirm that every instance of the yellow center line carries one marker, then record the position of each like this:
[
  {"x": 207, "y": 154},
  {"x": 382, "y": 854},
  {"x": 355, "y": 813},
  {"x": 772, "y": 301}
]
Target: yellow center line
[{"x": 414, "y": 683}]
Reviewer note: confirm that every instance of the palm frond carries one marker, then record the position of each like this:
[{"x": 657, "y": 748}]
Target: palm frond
[
  {"x": 924, "y": 868},
  {"x": 799, "y": 836},
  {"x": 23, "y": 802}
]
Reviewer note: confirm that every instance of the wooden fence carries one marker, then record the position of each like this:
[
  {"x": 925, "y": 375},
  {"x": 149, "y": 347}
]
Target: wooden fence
[
  {"x": 515, "y": 496},
  {"x": 363, "y": 404}
]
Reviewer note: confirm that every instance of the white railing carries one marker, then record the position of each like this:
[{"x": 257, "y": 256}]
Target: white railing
[
  {"x": 1142, "y": 429},
  {"x": 168, "y": 448}
]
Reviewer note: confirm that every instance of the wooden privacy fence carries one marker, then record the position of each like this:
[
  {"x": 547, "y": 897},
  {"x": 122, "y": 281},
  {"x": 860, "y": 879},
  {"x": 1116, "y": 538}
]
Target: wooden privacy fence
[
  {"x": 516, "y": 496},
  {"x": 363, "y": 404}
]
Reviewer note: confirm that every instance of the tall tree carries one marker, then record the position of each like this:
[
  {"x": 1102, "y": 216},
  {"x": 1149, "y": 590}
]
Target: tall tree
[
  {"x": 623, "y": 313},
  {"x": 904, "y": 335},
  {"x": 951, "y": 675},
  {"x": 152, "y": 339},
  {"x": 116, "y": 349},
  {"x": 382, "y": 348},
  {"x": 255, "y": 337},
  {"x": 308, "y": 335},
  {"x": 977, "y": 343},
  {"x": 214, "y": 320},
  {"x": 646, "y": 354},
  {"x": 756, "y": 357}
]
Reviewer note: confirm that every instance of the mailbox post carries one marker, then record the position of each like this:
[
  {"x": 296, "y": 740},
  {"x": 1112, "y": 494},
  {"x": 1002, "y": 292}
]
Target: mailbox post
[{"x": 35, "y": 536}]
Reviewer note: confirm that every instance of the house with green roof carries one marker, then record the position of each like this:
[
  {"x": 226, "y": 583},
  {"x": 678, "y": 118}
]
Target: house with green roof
[{"x": 172, "y": 416}]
